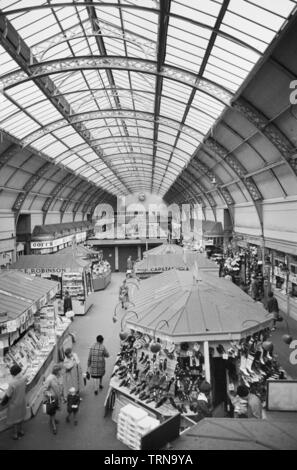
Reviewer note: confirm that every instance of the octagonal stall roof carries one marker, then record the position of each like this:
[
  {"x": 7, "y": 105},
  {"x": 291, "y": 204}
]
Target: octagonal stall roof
[{"x": 213, "y": 309}]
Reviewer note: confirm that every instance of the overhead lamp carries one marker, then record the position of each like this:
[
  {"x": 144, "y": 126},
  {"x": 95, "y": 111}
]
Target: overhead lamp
[
  {"x": 124, "y": 333},
  {"x": 155, "y": 345}
]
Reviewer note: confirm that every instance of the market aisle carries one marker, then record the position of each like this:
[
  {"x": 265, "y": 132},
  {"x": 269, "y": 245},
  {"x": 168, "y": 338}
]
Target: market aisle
[
  {"x": 93, "y": 431},
  {"x": 281, "y": 349}
]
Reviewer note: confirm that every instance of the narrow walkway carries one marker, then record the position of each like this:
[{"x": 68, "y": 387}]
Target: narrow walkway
[
  {"x": 282, "y": 349},
  {"x": 93, "y": 431}
]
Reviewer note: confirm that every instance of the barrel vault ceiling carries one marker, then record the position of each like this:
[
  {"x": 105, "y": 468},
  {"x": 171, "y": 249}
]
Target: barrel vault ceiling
[{"x": 185, "y": 99}]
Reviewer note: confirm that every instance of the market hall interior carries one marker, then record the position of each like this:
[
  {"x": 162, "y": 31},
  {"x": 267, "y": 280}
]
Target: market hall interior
[{"x": 131, "y": 127}]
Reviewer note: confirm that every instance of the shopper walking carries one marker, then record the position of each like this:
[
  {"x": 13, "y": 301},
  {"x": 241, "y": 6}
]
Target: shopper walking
[
  {"x": 73, "y": 376},
  {"x": 129, "y": 263},
  {"x": 96, "y": 362},
  {"x": 53, "y": 394},
  {"x": 67, "y": 302},
  {"x": 15, "y": 397},
  {"x": 272, "y": 307},
  {"x": 124, "y": 294},
  {"x": 73, "y": 402}
]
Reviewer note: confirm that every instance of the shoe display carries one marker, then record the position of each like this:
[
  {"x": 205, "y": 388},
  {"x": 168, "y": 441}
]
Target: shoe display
[{"x": 161, "y": 402}]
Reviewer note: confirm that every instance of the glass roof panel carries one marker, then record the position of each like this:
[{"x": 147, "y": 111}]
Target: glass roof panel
[{"x": 118, "y": 105}]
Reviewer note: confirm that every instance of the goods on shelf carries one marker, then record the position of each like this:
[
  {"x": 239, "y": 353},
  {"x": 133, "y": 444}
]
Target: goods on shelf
[
  {"x": 133, "y": 423},
  {"x": 100, "y": 268},
  {"x": 73, "y": 283},
  {"x": 168, "y": 381},
  {"x": 30, "y": 352}
]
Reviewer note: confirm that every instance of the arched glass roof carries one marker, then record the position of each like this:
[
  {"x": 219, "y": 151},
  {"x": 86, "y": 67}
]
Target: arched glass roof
[{"x": 123, "y": 93}]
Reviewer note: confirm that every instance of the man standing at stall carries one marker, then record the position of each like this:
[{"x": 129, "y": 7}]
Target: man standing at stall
[
  {"x": 67, "y": 302},
  {"x": 272, "y": 307}
]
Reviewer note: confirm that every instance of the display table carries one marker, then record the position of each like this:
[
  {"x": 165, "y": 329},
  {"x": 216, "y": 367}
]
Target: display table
[
  {"x": 101, "y": 282},
  {"x": 34, "y": 392}
]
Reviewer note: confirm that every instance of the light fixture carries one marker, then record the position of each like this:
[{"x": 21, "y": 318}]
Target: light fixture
[
  {"x": 287, "y": 338},
  {"x": 124, "y": 333},
  {"x": 155, "y": 346}
]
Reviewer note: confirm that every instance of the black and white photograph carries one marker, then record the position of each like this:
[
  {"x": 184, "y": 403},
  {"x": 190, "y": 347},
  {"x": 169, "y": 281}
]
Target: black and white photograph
[{"x": 148, "y": 228}]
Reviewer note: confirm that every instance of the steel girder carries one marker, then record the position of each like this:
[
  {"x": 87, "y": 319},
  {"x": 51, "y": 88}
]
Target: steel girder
[
  {"x": 203, "y": 66},
  {"x": 8, "y": 154},
  {"x": 41, "y": 70},
  {"x": 209, "y": 198},
  {"x": 28, "y": 186},
  {"x": 161, "y": 47},
  {"x": 85, "y": 197},
  {"x": 223, "y": 192},
  {"x": 68, "y": 179},
  {"x": 269, "y": 130},
  {"x": 110, "y": 114},
  {"x": 241, "y": 172},
  {"x": 76, "y": 4},
  {"x": 21, "y": 53},
  {"x": 66, "y": 202}
]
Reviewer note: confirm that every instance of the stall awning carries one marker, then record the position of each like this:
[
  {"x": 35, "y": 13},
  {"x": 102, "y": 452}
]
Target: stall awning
[
  {"x": 12, "y": 306},
  {"x": 211, "y": 309},
  {"x": 238, "y": 434},
  {"x": 25, "y": 286},
  {"x": 53, "y": 263},
  {"x": 60, "y": 229}
]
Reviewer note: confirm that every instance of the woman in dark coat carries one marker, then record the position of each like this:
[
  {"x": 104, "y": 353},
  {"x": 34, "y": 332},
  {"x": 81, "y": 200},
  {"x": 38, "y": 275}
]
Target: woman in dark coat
[
  {"x": 15, "y": 396},
  {"x": 67, "y": 302},
  {"x": 96, "y": 362}
]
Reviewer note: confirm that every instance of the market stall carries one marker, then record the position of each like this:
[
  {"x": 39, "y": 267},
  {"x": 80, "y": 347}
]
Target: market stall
[
  {"x": 100, "y": 269},
  {"x": 182, "y": 332},
  {"x": 101, "y": 274},
  {"x": 72, "y": 273},
  {"x": 170, "y": 256},
  {"x": 30, "y": 333}
]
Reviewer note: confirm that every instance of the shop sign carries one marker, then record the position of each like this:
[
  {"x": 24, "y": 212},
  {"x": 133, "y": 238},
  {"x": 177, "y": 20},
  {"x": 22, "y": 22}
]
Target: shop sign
[
  {"x": 59, "y": 241},
  {"x": 45, "y": 270},
  {"x": 158, "y": 269},
  {"x": 293, "y": 278}
]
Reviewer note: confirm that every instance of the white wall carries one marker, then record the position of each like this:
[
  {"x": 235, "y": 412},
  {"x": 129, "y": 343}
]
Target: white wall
[
  {"x": 280, "y": 220},
  {"x": 246, "y": 220}
]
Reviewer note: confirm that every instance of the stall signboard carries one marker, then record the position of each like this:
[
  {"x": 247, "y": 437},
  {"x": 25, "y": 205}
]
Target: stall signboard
[
  {"x": 159, "y": 269},
  {"x": 46, "y": 271},
  {"x": 37, "y": 245},
  {"x": 293, "y": 278}
]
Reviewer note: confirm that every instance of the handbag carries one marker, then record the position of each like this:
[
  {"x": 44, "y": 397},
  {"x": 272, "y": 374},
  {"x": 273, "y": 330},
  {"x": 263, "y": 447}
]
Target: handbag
[{"x": 50, "y": 406}]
